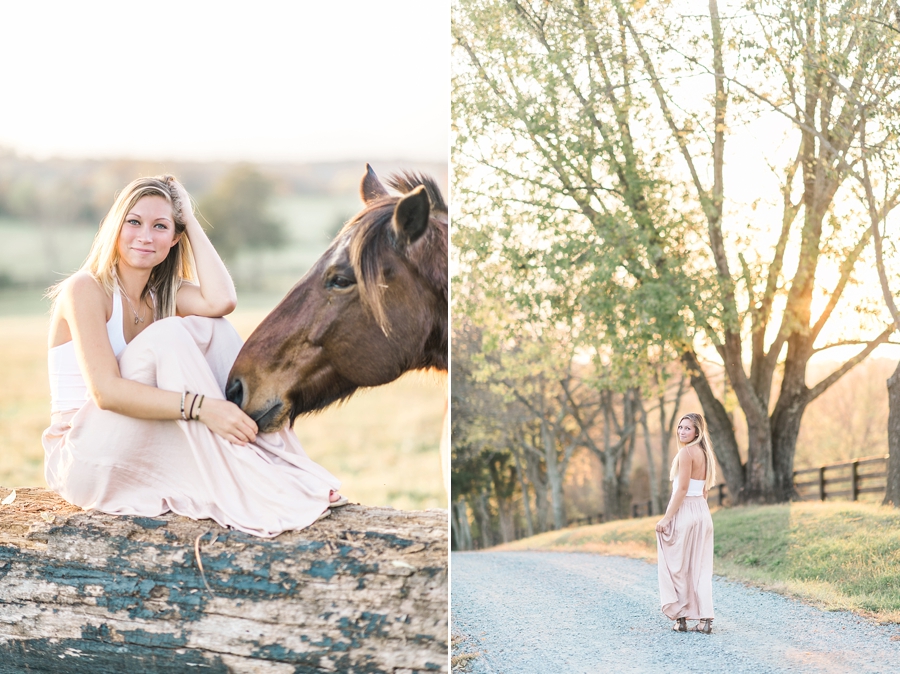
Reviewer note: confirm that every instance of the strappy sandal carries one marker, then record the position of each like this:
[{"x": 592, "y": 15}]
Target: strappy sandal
[
  {"x": 706, "y": 629},
  {"x": 680, "y": 625}
]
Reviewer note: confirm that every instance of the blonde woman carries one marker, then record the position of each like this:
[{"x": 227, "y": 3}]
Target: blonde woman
[
  {"x": 138, "y": 358},
  {"x": 684, "y": 537}
]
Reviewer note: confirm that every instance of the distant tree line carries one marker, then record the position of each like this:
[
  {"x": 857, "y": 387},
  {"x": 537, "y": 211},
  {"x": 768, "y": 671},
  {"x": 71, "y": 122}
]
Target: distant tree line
[{"x": 234, "y": 201}]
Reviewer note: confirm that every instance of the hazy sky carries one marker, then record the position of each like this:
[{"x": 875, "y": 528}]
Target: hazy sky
[{"x": 196, "y": 79}]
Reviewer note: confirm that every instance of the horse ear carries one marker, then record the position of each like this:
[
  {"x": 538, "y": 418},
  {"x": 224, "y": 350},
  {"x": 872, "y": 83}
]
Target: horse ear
[
  {"x": 411, "y": 215},
  {"x": 371, "y": 188}
]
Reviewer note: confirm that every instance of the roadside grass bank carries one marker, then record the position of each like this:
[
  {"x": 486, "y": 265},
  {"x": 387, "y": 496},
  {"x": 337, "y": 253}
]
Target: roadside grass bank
[{"x": 837, "y": 556}]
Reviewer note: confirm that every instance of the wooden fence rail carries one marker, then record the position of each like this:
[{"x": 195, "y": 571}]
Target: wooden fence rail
[{"x": 866, "y": 475}]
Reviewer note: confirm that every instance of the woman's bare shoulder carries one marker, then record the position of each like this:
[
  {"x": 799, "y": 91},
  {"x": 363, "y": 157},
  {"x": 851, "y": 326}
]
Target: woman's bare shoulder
[
  {"x": 80, "y": 285},
  {"x": 80, "y": 298},
  {"x": 84, "y": 280},
  {"x": 695, "y": 454},
  {"x": 83, "y": 290},
  {"x": 688, "y": 451}
]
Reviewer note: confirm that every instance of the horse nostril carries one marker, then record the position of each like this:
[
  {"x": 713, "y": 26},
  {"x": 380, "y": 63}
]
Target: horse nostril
[{"x": 235, "y": 392}]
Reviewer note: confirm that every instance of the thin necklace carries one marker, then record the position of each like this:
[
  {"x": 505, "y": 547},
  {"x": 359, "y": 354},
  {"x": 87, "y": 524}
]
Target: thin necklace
[{"x": 137, "y": 319}]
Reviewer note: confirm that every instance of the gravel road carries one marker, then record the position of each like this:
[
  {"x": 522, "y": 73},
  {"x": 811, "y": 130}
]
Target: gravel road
[{"x": 547, "y": 612}]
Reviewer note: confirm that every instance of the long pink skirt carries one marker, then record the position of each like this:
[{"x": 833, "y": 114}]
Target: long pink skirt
[
  {"x": 102, "y": 460},
  {"x": 685, "y": 562}
]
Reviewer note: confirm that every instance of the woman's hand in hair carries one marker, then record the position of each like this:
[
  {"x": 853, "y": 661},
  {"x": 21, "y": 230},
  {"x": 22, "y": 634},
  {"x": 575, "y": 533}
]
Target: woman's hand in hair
[
  {"x": 227, "y": 420},
  {"x": 212, "y": 291},
  {"x": 183, "y": 197}
]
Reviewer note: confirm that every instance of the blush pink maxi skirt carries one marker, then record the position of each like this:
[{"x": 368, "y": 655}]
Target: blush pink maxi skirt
[
  {"x": 685, "y": 562},
  {"x": 102, "y": 460}
]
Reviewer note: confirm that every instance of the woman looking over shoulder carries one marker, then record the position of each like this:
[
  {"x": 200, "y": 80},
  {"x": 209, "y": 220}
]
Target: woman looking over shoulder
[
  {"x": 137, "y": 342},
  {"x": 684, "y": 536}
]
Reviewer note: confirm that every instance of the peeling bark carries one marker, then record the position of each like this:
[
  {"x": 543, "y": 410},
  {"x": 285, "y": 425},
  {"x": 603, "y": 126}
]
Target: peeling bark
[{"x": 363, "y": 590}]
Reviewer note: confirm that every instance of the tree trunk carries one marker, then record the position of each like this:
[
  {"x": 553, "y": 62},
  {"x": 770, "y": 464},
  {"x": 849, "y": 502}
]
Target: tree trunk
[
  {"x": 721, "y": 430},
  {"x": 611, "y": 499},
  {"x": 483, "y": 517},
  {"x": 507, "y": 521},
  {"x": 456, "y": 540},
  {"x": 363, "y": 590},
  {"x": 785, "y": 430},
  {"x": 503, "y": 478},
  {"x": 625, "y": 496},
  {"x": 554, "y": 477},
  {"x": 616, "y": 493},
  {"x": 651, "y": 467},
  {"x": 758, "y": 486},
  {"x": 541, "y": 502},
  {"x": 526, "y": 499},
  {"x": 462, "y": 533},
  {"x": 892, "y": 493}
]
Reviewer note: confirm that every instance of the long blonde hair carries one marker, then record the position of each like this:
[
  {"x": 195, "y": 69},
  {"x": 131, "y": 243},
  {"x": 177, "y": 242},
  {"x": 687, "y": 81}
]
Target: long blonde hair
[
  {"x": 167, "y": 276},
  {"x": 702, "y": 439}
]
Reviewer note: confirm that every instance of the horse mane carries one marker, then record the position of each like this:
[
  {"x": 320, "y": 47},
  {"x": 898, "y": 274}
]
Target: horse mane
[
  {"x": 372, "y": 237},
  {"x": 407, "y": 181}
]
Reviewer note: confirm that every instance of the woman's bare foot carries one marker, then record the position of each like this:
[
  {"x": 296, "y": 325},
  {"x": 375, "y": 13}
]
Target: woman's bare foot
[{"x": 336, "y": 500}]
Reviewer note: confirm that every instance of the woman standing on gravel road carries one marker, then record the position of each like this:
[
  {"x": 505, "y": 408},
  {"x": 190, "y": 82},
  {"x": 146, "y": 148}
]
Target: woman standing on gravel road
[{"x": 684, "y": 537}]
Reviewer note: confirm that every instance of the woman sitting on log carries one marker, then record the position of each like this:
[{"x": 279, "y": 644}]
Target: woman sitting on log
[
  {"x": 139, "y": 355},
  {"x": 684, "y": 537}
]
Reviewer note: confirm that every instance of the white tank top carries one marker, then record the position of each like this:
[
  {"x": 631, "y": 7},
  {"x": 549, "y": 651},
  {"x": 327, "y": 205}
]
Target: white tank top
[
  {"x": 695, "y": 488},
  {"x": 68, "y": 390}
]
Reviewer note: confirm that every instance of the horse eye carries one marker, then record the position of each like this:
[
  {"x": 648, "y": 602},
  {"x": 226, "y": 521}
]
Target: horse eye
[{"x": 339, "y": 282}]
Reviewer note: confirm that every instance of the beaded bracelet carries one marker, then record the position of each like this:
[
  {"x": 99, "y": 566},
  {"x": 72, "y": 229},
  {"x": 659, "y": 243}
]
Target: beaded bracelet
[
  {"x": 190, "y": 414},
  {"x": 183, "y": 394}
]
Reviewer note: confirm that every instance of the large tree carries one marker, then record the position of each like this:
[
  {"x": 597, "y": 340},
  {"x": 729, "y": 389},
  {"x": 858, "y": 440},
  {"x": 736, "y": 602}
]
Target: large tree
[
  {"x": 824, "y": 67},
  {"x": 602, "y": 126},
  {"x": 879, "y": 209},
  {"x": 570, "y": 208}
]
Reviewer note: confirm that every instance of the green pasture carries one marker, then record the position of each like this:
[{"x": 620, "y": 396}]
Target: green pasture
[{"x": 836, "y": 555}]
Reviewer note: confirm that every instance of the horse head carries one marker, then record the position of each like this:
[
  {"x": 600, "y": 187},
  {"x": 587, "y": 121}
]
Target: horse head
[{"x": 371, "y": 308}]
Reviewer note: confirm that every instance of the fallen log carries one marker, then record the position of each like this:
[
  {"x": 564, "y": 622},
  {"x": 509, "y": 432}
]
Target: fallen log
[{"x": 364, "y": 590}]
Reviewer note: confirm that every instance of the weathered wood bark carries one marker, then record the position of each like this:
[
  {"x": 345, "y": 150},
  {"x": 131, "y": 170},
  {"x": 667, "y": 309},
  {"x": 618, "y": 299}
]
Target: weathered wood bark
[{"x": 364, "y": 590}]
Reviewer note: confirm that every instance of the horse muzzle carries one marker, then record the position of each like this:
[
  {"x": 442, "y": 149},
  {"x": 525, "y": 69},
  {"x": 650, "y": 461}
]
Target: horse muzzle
[
  {"x": 268, "y": 418},
  {"x": 271, "y": 419}
]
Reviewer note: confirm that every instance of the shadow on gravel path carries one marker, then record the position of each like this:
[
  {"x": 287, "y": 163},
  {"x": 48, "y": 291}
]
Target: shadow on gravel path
[{"x": 551, "y": 612}]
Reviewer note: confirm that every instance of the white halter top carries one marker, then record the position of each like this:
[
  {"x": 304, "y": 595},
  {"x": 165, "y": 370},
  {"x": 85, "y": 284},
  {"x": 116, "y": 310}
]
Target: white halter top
[{"x": 68, "y": 390}]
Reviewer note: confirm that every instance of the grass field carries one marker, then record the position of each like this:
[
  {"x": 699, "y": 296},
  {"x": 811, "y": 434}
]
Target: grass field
[
  {"x": 382, "y": 444},
  {"x": 839, "y": 556}
]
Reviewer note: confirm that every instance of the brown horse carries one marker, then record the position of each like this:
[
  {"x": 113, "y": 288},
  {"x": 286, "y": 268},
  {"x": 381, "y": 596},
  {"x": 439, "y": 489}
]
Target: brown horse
[{"x": 371, "y": 308}]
